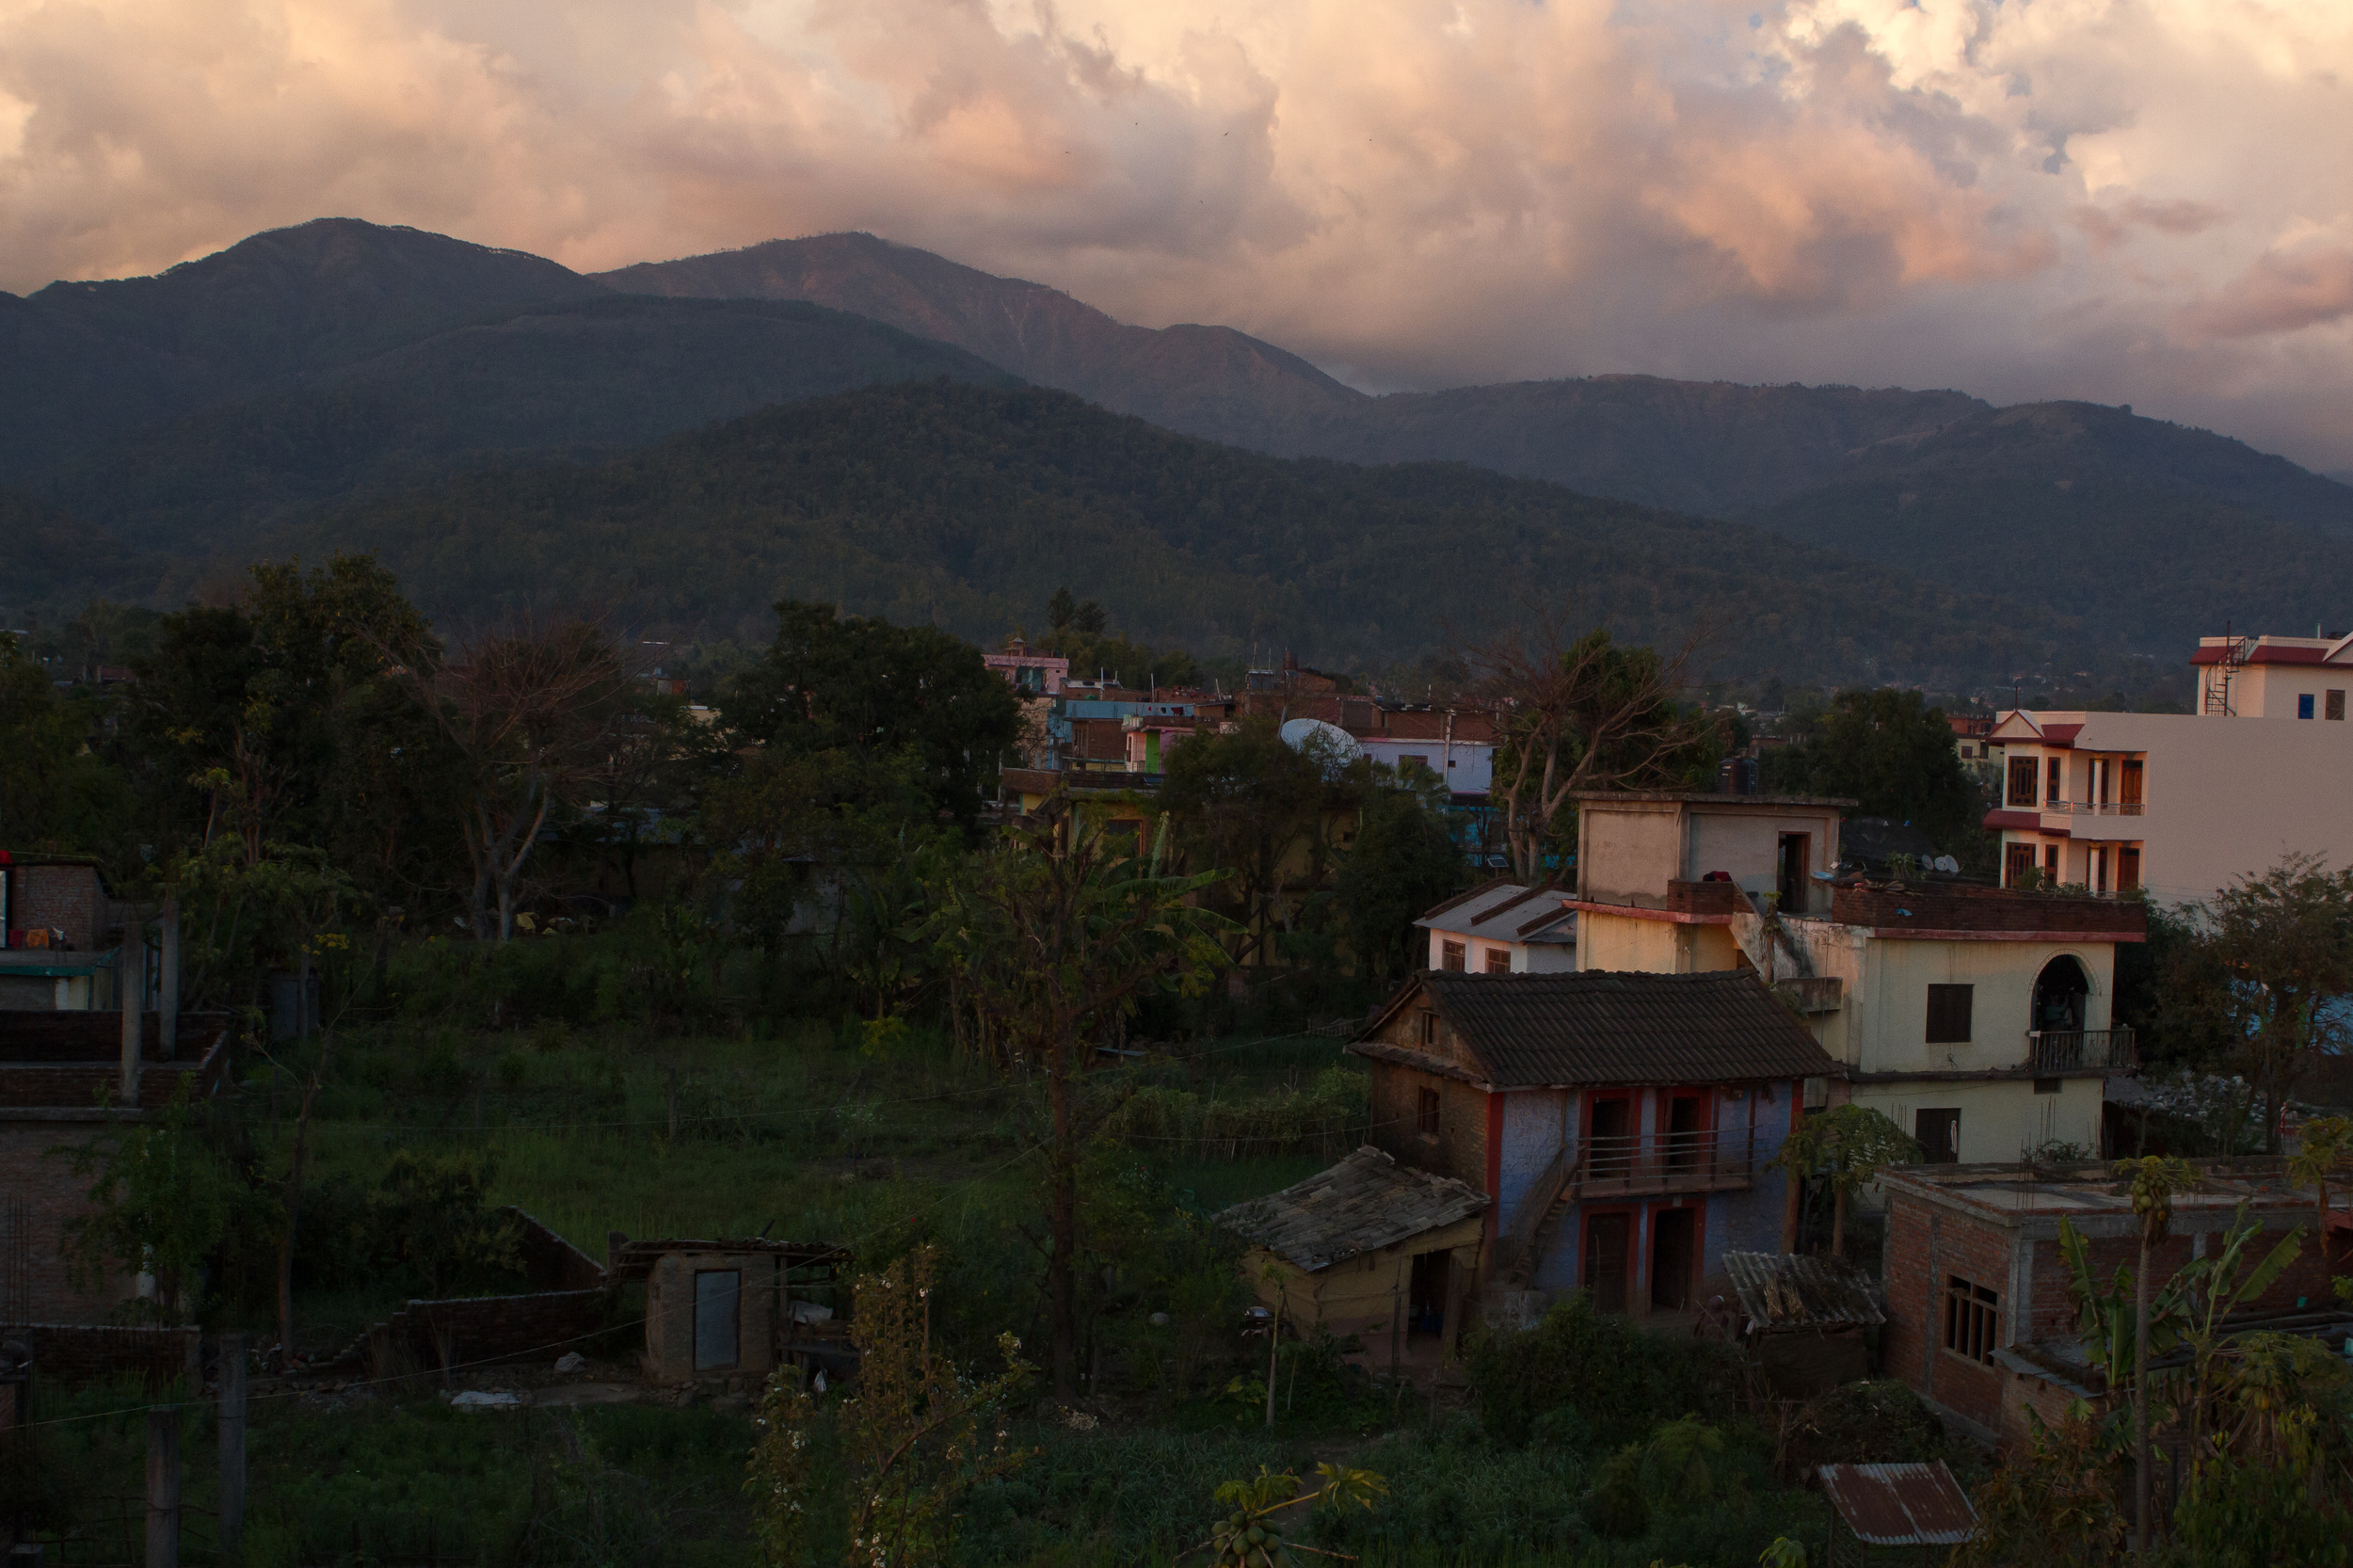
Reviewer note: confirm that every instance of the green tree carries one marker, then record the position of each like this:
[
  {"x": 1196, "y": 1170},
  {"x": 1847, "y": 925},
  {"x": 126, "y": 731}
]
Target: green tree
[
  {"x": 162, "y": 1197},
  {"x": 1847, "y": 1146},
  {"x": 1404, "y": 862},
  {"x": 1249, "y": 804},
  {"x": 1586, "y": 715},
  {"x": 918, "y": 1433},
  {"x": 54, "y": 793},
  {"x": 873, "y": 690},
  {"x": 1052, "y": 945},
  {"x": 2285, "y": 940},
  {"x": 1892, "y": 754}
]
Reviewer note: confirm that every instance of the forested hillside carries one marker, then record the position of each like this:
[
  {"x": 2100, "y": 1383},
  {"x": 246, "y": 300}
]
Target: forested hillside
[{"x": 968, "y": 506}]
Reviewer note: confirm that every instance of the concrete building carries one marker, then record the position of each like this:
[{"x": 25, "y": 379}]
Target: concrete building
[
  {"x": 2183, "y": 803},
  {"x": 1976, "y": 1019},
  {"x": 1503, "y": 928},
  {"x": 1622, "y": 1125}
]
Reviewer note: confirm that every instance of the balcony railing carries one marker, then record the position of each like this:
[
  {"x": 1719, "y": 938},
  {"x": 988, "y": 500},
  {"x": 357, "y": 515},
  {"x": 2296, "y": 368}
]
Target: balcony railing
[
  {"x": 2094, "y": 808},
  {"x": 2051, "y": 1052},
  {"x": 1716, "y": 1162}
]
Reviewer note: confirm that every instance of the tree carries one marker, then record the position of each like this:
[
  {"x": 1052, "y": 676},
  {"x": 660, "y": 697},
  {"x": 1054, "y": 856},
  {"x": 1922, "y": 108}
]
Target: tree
[
  {"x": 2154, "y": 1183},
  {"x": 1892, "y": 754},
  {"x": 1848, "y": 1146},
  {"x": 1052, "y": 945},
  {"x": 54, "y": 793},
  {"x": 2285, "y": 939},
  {"x": 873, "y": 690},
  {"x": 2323, "y": 1148},
  {"x": 162, "y": 1199},
  {"x": 1587, "y": 715},
  {"x": 1404, "y": 862},
  {"x": 1249, "y": 1537},
  {"x": 914, "y": 1438},
  {"x": 1059, "y": 609},
  {"x": 532, "y": 712},
  {"x": 1255, "y": 806}
]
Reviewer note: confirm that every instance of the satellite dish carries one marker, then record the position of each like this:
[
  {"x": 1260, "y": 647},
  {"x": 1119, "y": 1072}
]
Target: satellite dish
[
  {"x": 1328, "y": 738},
  {"x": 1947, "y": 864}
]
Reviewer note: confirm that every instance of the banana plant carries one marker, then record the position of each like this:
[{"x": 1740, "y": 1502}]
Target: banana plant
[
  {"x": 2213, "y": 1288},
  {"x": 2106, "y": 1316}
]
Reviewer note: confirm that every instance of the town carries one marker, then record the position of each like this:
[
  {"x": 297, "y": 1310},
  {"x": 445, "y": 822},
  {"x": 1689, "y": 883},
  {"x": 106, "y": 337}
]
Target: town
[{"x": 546, "y": 1096}]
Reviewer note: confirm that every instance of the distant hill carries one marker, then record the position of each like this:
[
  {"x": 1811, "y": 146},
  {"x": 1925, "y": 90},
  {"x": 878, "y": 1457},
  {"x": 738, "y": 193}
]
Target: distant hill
[
  {"x": 968, "y": 506},
  {"x": 583, "y": 378},
  {"x": 1209, "y": 382}
]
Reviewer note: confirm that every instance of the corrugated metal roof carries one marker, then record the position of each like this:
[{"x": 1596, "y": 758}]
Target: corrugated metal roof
[
  {"x": 1507, "y": 912},
  {"x": 1598, "y": 1027},
  {"x": 1366, "y": 1202},
  {"x": 1779, "y": 1290},
  {"x": 1901, "y": 1505}
]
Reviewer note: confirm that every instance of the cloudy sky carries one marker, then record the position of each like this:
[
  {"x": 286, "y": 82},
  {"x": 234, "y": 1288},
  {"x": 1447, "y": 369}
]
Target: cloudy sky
[{"x": 2129, "y": 200}]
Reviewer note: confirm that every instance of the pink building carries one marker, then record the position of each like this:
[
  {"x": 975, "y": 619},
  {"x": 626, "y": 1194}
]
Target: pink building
[{"x": 1028, "y": 671}]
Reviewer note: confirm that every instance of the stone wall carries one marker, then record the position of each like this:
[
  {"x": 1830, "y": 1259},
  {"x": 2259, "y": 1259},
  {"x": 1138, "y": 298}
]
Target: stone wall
[{"x": 69, "y": 1354}]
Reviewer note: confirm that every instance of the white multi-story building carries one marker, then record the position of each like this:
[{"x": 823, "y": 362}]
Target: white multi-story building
[{"x": 2182, "y": 803}]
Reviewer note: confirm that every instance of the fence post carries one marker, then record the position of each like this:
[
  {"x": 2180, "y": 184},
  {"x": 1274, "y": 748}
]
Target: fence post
[
  {"x": 231, "y": 1448},
  {"x": 163, "y": 1486}
]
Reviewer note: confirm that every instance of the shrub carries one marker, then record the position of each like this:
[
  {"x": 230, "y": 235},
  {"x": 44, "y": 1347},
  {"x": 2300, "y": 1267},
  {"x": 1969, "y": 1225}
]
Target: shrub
[{"x": 1621, "y": 1379}]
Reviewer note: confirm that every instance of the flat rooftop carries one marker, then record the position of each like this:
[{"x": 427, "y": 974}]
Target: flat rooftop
[{"x": 2014, "y": 1194}]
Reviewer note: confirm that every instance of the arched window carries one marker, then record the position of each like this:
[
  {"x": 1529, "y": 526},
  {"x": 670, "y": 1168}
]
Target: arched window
[{"x": 2058, "y": 997}]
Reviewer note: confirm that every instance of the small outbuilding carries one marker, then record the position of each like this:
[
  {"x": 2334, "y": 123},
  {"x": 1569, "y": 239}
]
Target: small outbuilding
[
  {"x": 1895, "y": 1513},
  {"x": 1808, "y": 1319},
  {"x": 1371, "y": 1248},
  {"x": 734, "y": 1307}
]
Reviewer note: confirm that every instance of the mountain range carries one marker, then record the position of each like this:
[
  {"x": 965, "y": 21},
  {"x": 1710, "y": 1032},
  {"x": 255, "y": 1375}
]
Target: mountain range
[{"x": 316, "y": 373}]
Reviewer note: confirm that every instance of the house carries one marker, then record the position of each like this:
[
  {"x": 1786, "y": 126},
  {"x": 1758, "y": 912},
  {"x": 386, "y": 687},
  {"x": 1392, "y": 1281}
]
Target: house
[
  {"x": 1980, "y": 1318},
  {"x": 2182, "y": 803},
  {"x": 1977, "y": 1020},
  {"x": 1806, "y": 1321},
  {"x": 1503, "y": 928},
  {"x": 1371, "y": 1248},
  {"x": 1027, "y": 670},
  {"x": 1620, "y": 1124},
  {"x": 55, "y": 912}
]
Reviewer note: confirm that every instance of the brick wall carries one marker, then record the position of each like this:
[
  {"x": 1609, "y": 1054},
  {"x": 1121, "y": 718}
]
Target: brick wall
[
  {"x": 1984, "y": 909},
  {"x": 1925, "y": 1247},
  {"x": 66, "y": 1354},
  {"x": 76, "y": 1086},
  {"x": 97, "y": 1036},
  {"x": 51, "y": 1196},
  {"x": 1459, "y": 1147},
  {"x": 475, "y": 1329},
  {"x": 67, "y": 898}
]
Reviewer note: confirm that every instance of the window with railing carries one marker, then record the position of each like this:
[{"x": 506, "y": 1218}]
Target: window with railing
[{"x": 1973, "y": 1316}]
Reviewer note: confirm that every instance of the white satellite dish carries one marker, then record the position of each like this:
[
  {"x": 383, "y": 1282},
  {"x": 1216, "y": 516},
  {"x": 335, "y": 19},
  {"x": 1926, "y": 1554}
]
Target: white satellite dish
[{"x": 1329, "y": 738}]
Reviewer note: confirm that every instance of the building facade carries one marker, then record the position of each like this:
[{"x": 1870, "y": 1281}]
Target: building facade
[{"x": 1503, "y": 928}]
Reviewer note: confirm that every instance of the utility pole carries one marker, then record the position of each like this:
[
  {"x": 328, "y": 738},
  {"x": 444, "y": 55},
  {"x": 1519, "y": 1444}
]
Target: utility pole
[
  {"x": 231, "y": 1446},
  {"x": 163, "y": 1486}
]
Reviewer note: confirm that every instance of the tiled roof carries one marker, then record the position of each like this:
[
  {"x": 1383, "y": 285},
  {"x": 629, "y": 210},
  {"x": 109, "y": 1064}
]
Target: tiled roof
[
  {"x": 1780, "y": 1290},
  {"x": 1365, "y": 1203},
  {"x": 1505, "y": 911},
  {"x": 1597, "y": 1027}
]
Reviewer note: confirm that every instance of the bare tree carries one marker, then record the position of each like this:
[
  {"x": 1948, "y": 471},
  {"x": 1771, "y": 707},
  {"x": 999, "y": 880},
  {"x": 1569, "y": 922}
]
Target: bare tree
[
  {"x": 1582, "y": 715},
  {"x": 536, "y": 711}
]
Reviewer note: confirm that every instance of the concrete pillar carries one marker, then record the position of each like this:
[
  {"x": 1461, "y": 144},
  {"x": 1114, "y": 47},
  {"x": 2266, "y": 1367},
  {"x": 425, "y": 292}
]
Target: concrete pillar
[
  {"x": 131, "y": 974},
  {"x": 168, "y": 980},
  {"x": 231, "y": 1446},
  {"x": 163, "y": 1486}
]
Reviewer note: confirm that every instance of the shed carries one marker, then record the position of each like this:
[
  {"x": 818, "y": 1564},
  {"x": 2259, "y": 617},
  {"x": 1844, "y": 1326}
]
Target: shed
[
  {"x": 1895, "y": 1513},
  {"x": 1371, "y": 1248},
  {"x": 1809, "y": 1320},
  {"x": 724, "y": 1308}
]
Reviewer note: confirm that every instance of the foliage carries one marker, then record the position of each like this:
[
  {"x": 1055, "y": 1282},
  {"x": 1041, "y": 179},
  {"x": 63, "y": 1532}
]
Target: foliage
[
  {"x": 163, "y": 1198},
  {"x": 2053, "y": 1505},
  {"x": 1260, "y": 809},
  {"x": 1250, "y": 1538},
  {"x": 1329, "y": 1117},
  {"x": 1847, "y": 1146},
  {"x": 1614, "y": 1374},
  {"x": 1886, "y": 749},
  {"x": 1403, "y": 861},
  {"x": 871, "y": 689},
  {"x": 913, "y": 1439},
  {"x": 1587, "y": 715},
  {"x": 1878, "y": 1422},
  {"x": 2285, "y": 940},
  {"x": 430, "y": 1213},
  {"x": 54, "y": 793},
  {"x": 2108, "y": 1318}
]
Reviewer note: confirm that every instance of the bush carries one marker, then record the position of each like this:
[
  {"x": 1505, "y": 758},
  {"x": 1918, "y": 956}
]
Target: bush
[
  {"x": 1327, "y": 1119},
  {"x": 1455, "y": 1490},
  {"x": 1861, "y": 1423},
  {"x": 1619, "y": 1378}
]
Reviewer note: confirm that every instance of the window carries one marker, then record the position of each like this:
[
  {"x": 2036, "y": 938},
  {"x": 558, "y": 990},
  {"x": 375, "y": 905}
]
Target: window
[
  {"x": 2127, "y": 869},
  {"x": 1948, "y": 1014},
  {"x": 2055, "y": 775},
  {"x": 1429, "y": 1030},
  {"x": 1973, "y": 1317},
  {"x": 2304, "y": 705},
  {"x": 2022, "y": 782},
  {"x": 1498, "y": 960},
  {"x": 1938, "y": 1132},
  {"x": 2130, "y": 795},
  {"x": 2334, "y": 707},
  {"x": 2051, "y": 864},
  {"x": 1451, "y": 957},
  {"x": 2099, "y": 868},
  {"x": 1426, "y": 1112},
  {"x": 2017, "y": 861}
]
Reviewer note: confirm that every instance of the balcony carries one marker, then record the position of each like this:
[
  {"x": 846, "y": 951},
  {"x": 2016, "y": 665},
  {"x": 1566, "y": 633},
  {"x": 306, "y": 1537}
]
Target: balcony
[
  {"x": 2058, "y": 1053},
  {"x": 1719, "y": 1162}
]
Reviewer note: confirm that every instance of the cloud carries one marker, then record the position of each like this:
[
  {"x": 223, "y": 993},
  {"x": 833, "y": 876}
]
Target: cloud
[{"x": 2132, "y": 200}]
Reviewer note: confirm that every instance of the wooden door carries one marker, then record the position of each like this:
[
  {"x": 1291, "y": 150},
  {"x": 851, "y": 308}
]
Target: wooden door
[
  {"x": 1606, "y": 1255},
  {"x": 1674, "y": 1259}
]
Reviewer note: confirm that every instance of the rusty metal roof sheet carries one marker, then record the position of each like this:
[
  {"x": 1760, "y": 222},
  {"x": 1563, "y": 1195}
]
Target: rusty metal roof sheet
[
  {"x": 1366, "y": 1202},
  {"x": 1901, "y": 1505},
  {"x": 1779, "y": 1290}
]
